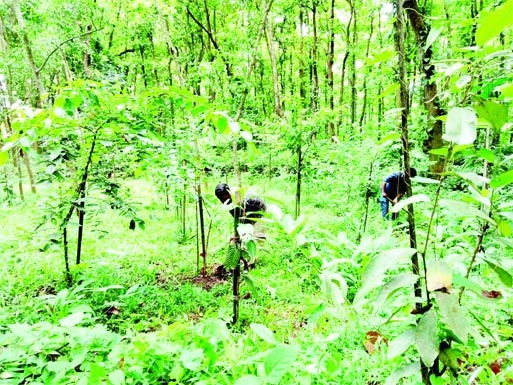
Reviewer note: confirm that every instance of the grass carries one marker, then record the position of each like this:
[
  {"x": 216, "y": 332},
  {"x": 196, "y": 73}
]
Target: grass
[{"x": 139, "y": 285}]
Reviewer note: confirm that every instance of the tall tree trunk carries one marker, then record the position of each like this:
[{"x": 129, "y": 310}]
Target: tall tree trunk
[
  {"x": 173, "y": 53},
  {"x": 314, "y": 101},
  {"x": 344, "y": 67},
  {"x": 301, "y": 64},
  {"x": 28, "y": 50},
  {"x": 351, "y": 39},
  {"x": 87, "y": 53},
  {"x": 405, "y": 111},
  {"x": 276, "y": 81},
  {"x": 365, "y": 91},
  {"x": 431, "y": 101},
  {"x": 143, "y": 66},
  {"x": 329, "y": 67}
]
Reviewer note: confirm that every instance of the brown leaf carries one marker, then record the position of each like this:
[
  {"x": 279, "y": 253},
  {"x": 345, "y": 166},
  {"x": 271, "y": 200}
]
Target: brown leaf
[
  {"x": 491, "y": 294},
  {"x": 496, "y": 366},
  {"x": 112, "y": 310},
  {"x": 372, "y": 339}
]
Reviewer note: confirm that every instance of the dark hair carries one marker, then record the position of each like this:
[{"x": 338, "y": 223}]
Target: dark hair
[
  {"x": 223, "y": 192},
  {"x": 413, "y": 172}
]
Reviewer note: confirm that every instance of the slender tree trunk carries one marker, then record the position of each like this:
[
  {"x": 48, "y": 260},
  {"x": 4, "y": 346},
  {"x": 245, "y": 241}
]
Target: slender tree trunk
[
  {"x": 329, "y": 67},
  {"x": 143, "y": 67},
  {"x": 203, "y": 252},
  {"x": 352, "y": 62},
  {"x": 87, "y": 53},
  {"x": 431, "y": 100},
  {"x": 298, "y": 181},
  {"x": 28, "y": 50},
  {"x": 17, "y": 164},
  {"x": 276, "y": 81},
  {"x": 401, "y": 52},
  {"x": 28, "y": 166},
  {"x": 173, "y": 53},
  {"x": 344, "y": 67},
  {"x": 314, "y": 102},
  {"x": 365, "y": 91},
  {"x": 301, "y": 64}
]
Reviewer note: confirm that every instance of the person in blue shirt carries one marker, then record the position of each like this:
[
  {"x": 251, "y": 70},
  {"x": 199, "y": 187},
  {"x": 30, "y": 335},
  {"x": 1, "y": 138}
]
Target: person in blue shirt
[{"x": 393, "y": 187}]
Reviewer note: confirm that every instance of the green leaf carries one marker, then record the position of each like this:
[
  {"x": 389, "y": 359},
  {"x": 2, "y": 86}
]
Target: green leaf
[
  {"x": 97, "y": 374},
  {"x": 234, "y": 126},
  {"x": 4, "y": 157},
  {"x": 471, "y": 177},
  {"x": 220, "y": 121},
  {"x": 278, "y": 362},
  {"x": 432, "y": 36},
  {"x": 251, "y": 245},
  {"x": 247, "y": 136},
  {"x": 334, "y": 286},
  {"x": 493, "y": 23},
  {"x": 493, "y": 112},
  {"x": 389, "y": 288},
  {"x": 192, "y": 358},
  {"x": 460, "y": 280},
  {"x": 463, "y": 209},
  {"x": 486, "y": 154},
  {"x": 374, "y": 272},
  {"x": 438, "y": 276},
  {"x": 426, "y": 338},
  {"x": 248, "y": 379},
  {"x": 452, "y": 315},
  {"x": 117, "y": 377},
  {"x": 391, "y": 136},
  {"x": 507, "y": 90},
  {"x": 505, "y": 228},
  {"x": 502, "y": 180},
  {"x": 232, "y": 256},
  {"x": 420, "y": 179},
  {"x": 404, "y": 371},
  {"x": 263, "y": 332},
  {"x": 382, "y": 56},
  {"x": 72, "y": 319},
  {"x": 504, "y": 276},
  {"x": 411, "y": 200},
  {"x": 399, "y": 345},
  {"x": 461, "y": 126},
  {"x": 389, "y": 90},
  {"x": 443, "y": 151}
]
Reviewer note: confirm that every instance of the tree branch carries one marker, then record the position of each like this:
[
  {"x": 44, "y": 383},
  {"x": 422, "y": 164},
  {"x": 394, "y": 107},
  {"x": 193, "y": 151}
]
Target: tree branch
[{"x": 61, "y": 44}]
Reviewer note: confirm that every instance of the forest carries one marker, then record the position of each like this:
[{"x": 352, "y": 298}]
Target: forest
[{"x": 256, "y": 192}]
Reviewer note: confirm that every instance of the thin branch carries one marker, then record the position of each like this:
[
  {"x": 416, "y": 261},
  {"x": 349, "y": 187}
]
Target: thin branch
[
  {"x": 61, "y": 44},
  {"x": 211, "y": 38}
]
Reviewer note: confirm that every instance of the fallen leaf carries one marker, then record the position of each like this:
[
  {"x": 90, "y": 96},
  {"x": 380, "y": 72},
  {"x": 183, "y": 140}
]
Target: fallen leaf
[
  {"x": 372, "y": 339},
  {"x": 491, "y": 294}
]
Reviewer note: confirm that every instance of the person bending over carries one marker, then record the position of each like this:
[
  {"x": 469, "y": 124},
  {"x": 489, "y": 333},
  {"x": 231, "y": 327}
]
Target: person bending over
[
  {"x": 251, "y": 206},
  {"x": 392, "y": 189}
]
